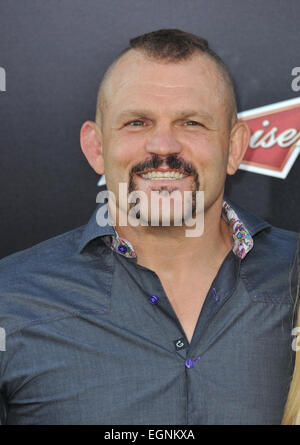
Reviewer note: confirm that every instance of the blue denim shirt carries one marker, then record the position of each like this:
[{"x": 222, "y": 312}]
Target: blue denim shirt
[{"x": 91, "y": 337}]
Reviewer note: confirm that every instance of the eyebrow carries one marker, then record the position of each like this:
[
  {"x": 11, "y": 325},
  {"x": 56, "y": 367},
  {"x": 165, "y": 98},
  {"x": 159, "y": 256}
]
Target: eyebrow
[{"x": 127, "y": 114}]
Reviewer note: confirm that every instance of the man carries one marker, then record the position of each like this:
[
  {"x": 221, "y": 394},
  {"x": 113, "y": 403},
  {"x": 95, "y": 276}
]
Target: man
[{"x": 141, "y": 324}]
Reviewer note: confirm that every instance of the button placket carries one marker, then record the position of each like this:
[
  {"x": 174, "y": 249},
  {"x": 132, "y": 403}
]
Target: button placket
[{"x": 162, "y": 307}]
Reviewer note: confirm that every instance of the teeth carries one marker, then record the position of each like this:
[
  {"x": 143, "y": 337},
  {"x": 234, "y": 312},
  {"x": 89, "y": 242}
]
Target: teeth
[{"x": 163, "y": 175}]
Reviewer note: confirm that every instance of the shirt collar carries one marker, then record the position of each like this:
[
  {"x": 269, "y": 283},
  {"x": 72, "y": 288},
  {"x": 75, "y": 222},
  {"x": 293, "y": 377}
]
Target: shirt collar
[
  {"x": 253, "y": 223},
  {"x": 244, "y": 226},
  {"x": 93, "y": 230}
]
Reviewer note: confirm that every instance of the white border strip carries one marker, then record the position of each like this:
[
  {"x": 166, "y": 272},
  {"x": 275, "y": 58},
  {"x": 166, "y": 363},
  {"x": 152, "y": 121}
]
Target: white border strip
[
  {"x": 102, "y": 180},
  {"x": 265, "y": 171},
  {"x": 268, "y": 108}
]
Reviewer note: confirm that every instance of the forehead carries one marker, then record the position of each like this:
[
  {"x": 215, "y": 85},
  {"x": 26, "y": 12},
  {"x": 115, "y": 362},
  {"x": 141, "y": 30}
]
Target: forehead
[{"x": 135, "y": 77}]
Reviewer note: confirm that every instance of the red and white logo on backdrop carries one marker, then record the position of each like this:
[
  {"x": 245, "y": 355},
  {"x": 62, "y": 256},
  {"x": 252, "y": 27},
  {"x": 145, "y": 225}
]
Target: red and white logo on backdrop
[{"x": 275, "y": 138}]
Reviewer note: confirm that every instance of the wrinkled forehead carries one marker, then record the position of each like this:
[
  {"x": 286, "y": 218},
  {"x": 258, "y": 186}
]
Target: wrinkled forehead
[{"x": 135, "y": 74}]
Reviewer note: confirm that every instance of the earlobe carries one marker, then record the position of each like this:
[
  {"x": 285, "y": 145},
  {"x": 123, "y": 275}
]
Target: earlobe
[
  {"x": 239, "y": 141},
  {"x": 91, "y": 145}
]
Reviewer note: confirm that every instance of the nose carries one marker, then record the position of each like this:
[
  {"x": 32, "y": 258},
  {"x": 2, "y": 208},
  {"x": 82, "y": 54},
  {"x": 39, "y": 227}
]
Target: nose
[{"x": 162, "y": 141}]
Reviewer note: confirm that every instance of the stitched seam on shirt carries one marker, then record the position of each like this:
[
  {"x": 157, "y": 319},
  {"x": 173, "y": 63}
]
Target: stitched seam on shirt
[
  {"x": 108, "y": 285},
  {"x": 283, "y": 234},
  {"x": 105, "y": 308},
  {"x": 265, "y": 297},
  {"x": 50, "y": 319}
]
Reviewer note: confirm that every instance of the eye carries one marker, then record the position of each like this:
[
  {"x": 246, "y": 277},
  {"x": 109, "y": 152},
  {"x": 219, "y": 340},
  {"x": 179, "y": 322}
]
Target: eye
[
  {"x": 192, "y": 123},
  {"x": 136, "y": 123}
]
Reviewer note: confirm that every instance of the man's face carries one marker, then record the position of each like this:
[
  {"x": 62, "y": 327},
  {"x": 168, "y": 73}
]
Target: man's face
[{"x": 166, "y": 118}]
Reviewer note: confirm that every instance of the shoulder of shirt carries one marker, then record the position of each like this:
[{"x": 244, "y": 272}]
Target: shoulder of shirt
[
  {"x": 259, "y": 228},
  {"x": 277, "y": 244},
  {"x": 283, "y": 234},
  {"x": 270, "y": 269},
  {"x": 276, "y": 247},
  {"x": 60, "y": 246},
  {"x": 28, "y": 281}
]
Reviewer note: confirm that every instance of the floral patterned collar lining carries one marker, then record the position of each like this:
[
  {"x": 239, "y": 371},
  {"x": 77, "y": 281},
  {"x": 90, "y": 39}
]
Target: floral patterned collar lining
[{"x": 242, "y": 241}]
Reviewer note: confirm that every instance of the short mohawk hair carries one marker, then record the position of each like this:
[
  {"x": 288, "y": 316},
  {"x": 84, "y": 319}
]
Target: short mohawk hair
[{"x": 170, "y": 46}]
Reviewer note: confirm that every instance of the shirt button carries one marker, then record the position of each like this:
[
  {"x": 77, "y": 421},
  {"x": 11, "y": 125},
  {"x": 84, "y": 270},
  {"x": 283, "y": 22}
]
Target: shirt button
[
  {"x": 190, "y": 363},
  {"x": 215, "y": 294},
  {"x": 122, "y": 249},
  {"x": 153, "y": 299}
]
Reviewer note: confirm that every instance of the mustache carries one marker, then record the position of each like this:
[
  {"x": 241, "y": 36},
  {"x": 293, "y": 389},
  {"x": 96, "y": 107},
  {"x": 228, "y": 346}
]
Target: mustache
[{"x": 172, "y": 161}]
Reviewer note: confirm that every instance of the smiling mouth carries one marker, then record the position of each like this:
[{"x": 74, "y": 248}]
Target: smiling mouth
[{"x": 156, "y": 175}]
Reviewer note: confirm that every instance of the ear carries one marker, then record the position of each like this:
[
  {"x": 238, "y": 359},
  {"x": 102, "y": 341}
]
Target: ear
[
  {"x": 91, "y": 145},
  {"x": 239, "y": 141}
]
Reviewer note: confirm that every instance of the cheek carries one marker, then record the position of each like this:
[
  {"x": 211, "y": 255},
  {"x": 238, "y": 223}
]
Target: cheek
[
  {"x": 123, "y": 151},
  {"x": 210, "y": 159},
  {"x": 207, "y": 151}
]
